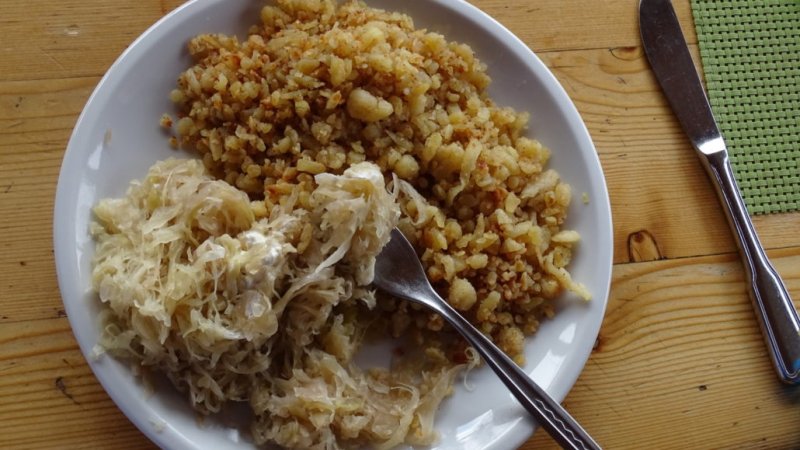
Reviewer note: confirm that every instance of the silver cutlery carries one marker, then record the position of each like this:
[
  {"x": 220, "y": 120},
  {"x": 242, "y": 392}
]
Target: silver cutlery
[
  {"x": 672, "y": 65},
  {"x": 399, "y": 272}
]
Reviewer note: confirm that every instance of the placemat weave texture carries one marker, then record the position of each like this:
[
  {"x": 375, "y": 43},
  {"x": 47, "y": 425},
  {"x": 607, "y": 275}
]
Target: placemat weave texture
[{"x": 751, "y": 59}]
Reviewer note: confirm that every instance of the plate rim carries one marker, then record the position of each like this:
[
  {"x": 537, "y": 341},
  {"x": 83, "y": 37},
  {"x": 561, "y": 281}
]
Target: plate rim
[{"x": 169, "y": 439}]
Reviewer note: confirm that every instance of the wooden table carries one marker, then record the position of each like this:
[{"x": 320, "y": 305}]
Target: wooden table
[{"x": 679, "y": 362}]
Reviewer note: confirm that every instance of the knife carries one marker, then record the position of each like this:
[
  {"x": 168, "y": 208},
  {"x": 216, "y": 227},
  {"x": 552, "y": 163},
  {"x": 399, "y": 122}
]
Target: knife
[{"x": 672, "y": 65}]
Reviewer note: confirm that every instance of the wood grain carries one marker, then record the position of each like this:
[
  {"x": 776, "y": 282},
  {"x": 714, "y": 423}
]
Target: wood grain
[
  {"x": 548, "y": 26},
  {"x": 77, "y": 38},
  {"x": 684, "y": 365},
  {"x": 668, "y": 355},
  {"x": 679, "y": 362},
  {"x": 49, "y": 397},
  {"x": 46, "y": 39},
  {"x": 655, "y": 180},
  {"x": 36, "y": 119}
]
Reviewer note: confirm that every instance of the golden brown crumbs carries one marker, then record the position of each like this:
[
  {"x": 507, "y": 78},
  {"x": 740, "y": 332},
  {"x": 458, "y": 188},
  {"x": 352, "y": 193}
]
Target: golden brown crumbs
[{"x": 318, "y": 87}]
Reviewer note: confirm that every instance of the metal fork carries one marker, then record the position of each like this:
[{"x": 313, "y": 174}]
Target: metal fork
[{"x": 399, "y": 272}]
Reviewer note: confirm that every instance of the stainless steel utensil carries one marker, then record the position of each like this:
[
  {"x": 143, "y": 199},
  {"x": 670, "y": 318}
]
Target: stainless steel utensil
[
  {"x": 671, "y": 62},
  {"x": 399, "y": 272}
]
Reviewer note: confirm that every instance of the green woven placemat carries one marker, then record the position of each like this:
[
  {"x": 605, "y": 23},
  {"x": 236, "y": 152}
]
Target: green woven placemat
[{"x": 751, "y": 58}]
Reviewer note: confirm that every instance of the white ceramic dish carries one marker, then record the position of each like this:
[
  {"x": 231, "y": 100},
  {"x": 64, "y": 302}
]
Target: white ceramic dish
[{"x": 117, "y": 138}]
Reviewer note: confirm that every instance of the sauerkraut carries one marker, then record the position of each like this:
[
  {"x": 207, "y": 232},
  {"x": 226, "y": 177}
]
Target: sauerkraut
[{"x": 236, "y": 305}]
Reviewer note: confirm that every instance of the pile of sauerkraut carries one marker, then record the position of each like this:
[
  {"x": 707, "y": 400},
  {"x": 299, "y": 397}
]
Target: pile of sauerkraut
[{"x": 237, "y": 305}]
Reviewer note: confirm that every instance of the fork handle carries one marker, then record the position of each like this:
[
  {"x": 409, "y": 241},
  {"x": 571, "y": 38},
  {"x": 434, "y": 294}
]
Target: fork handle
[
  {"x": 774, "y": 309},
  {"x": 547, "y": 412}
]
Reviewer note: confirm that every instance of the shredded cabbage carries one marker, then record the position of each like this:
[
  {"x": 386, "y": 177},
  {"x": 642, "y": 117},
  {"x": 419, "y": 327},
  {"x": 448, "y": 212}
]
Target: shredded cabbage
[{"x": 198, "y": 285}]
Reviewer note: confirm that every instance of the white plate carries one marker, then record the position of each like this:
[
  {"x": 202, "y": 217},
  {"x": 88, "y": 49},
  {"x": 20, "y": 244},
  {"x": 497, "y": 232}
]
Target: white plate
[{"x": 126, "y": 107}]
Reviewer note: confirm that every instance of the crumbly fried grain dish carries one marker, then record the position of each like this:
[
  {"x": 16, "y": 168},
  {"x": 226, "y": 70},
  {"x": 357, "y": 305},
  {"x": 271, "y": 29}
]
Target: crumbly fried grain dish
[
  {"x": 320, "y": 86},
  {"x": 317, "y": 90}
]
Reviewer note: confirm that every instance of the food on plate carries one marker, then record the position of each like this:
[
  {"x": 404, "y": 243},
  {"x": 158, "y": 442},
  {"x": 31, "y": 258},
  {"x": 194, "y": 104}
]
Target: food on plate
[
  {"x": 244, "y": 276},
  {"x": 319, "y": 86},
  {"x": 236, "y": 304}
]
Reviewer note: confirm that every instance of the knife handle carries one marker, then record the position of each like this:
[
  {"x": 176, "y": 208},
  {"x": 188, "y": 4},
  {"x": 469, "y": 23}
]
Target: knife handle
[{"x": 774, "y": 309}]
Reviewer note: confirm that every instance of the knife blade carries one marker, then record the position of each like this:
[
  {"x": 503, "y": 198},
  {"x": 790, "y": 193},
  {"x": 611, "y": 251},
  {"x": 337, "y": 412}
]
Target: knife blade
[
  {"x": 672, "y": 65},
  {"x": 671, "y": 62}
]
